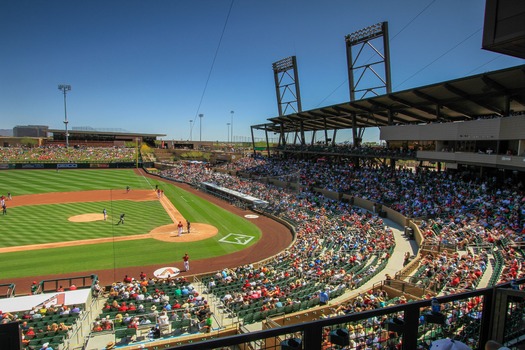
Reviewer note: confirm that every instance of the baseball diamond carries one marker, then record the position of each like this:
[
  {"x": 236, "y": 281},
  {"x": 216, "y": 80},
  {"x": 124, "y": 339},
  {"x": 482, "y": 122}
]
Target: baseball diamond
[{"x": 38, "y": 258}]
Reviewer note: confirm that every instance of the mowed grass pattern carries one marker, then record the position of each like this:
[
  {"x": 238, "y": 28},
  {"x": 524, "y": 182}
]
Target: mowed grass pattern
[
  {"x": 37, "y": 224},
  {"x": 20, "y": 182},
  {"x": 48, "y": 223}
]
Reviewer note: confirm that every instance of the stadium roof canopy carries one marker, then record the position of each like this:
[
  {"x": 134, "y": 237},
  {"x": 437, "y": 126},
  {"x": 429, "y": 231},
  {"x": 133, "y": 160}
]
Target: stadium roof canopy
[{"x": 497, "y": 93}]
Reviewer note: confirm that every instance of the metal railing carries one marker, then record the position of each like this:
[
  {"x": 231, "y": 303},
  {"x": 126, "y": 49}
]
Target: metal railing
[
  {"x": 419, "y": 326},
  {"x": 7, "y": 290},
  {"x": 79, "y": 281}
]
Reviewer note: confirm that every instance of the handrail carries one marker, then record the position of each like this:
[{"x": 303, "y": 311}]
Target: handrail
[
  {"x": 56, "y": 281},
  {"x": 10, "y": 291},
  {"x": 312, "y": 331}
]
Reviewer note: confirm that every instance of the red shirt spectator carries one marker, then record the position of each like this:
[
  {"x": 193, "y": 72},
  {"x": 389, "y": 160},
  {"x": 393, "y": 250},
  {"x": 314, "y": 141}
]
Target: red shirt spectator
[{"x": 123, "y": 307}]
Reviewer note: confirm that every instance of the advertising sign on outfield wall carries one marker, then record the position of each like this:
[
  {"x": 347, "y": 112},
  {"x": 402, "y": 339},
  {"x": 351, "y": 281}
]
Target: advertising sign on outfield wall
[
  {"x": 32, "y": 166},
  {"x": 67, "y": 166}
]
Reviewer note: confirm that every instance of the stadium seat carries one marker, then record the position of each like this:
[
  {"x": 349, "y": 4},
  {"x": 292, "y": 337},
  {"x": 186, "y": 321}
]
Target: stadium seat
[
  {"x": 121, "y": 335},
  {"x": 340, "y": 337},
  {"x": 185, "y": 326},
  {"x": 291, "y": 344},
  {"x": 248, "y": 318}
]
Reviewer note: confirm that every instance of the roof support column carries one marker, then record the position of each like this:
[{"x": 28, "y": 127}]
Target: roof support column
[
  {"x": 391, "y": 122},
  {"x": 506, "y": 107},
  {"x": 355, "y": 136},
  {"x": 296, "y": 136},
  {"x": 253, "y": 143},
  {"x": 438, "y": 112},
  {"x": 303, "y": 140},
  {"x": 325, "y": 132},
  {"x": 313, "y": 138},
  {"x": 282, "y": 138},
  {"x": 267, "y": 142}
]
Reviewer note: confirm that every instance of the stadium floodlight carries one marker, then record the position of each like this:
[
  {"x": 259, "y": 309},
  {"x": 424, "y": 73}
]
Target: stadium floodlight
[
  {"x": 228, "y": 139},
  {"x": 200, "y": 126},
  {"x": 191, "y": 127},
  {"x": 65, "y": 88},
  {"x": 368, "y": 33}
]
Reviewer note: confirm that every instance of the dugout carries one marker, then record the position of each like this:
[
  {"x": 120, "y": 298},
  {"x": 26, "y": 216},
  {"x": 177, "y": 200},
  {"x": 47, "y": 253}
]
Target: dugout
[{"x": 233, "y": 196}]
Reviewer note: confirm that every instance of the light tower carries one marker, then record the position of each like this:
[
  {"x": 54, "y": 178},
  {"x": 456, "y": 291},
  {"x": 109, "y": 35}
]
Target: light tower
[
  {"x": 191, "y": 128},
  {"x": 200, "y": 126},
  {"x": 231, "y": 122},
  {"x": 228, "y": 139},
  {"x": 65, "y": 88}
]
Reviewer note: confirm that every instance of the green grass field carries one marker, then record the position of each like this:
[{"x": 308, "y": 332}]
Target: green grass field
[{"x": 48, "y": 223}]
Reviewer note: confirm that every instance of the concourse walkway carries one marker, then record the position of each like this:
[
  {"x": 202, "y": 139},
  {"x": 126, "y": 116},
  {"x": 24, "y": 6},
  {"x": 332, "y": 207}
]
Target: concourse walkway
[{"x": 395, "y": 263}]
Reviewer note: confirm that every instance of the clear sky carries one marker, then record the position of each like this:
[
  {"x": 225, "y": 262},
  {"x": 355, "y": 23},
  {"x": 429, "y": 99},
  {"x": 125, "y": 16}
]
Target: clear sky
[{"x": 152, "y": 66}]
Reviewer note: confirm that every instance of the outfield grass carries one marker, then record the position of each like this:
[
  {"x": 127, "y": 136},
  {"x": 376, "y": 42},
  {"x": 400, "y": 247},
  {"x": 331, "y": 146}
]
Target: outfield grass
[
  {"x": 20, "y": 182},
  {"x": 48, "y": 223}
]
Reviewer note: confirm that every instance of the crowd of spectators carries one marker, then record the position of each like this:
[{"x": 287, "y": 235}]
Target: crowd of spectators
[
  {"x": 151, "y": 302},
  {"x": 335, "y": 247},
  {"x": 478, "y": 217},
  {"x": 60, "y": 154},
  {"x": 43, "y": 323},
  {"x": 335, "y": 241},
  {"x": 351, "y": 150},
  {"x": 458, "y": 211}
]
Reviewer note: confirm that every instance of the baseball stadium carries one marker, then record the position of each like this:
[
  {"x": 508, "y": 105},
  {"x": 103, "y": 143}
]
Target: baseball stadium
[{"x": 117, "y": 240}]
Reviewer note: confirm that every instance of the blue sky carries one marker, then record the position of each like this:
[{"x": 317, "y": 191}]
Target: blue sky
[{"x": 152, "y": 66}]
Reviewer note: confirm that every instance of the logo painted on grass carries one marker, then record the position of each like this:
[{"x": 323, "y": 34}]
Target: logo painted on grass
[
  {"x": 166, "y": 272},
  {"x": 236, "y": 238}
]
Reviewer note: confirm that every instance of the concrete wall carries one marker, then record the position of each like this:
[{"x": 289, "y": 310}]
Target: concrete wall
[{"x": 508, "y": 128}]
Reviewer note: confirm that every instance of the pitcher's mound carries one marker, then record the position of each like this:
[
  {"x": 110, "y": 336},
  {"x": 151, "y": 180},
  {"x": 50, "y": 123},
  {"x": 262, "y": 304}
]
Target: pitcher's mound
[
  {"x": 86, "y": 217},
  {"x": 169, "y": 233}
]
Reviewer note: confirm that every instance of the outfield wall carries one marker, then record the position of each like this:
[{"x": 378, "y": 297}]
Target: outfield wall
[{"x": 91, "y": 165}]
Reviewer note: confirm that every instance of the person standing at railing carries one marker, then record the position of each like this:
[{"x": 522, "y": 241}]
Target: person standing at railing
[
  {"x": 324, "y": 297},
  {"x": 406, "y": 260},
  {"x": 34, "y": 288}
]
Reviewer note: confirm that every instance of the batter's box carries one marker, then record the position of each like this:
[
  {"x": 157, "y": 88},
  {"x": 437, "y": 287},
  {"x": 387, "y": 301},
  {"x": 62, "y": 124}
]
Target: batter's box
[{"x": 235, "y": 238}]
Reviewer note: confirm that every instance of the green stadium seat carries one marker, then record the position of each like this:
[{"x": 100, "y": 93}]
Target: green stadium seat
[
  {"x": 248, "y": 319},
  {"x": 185, "y": 326},
  {"x": 257, "y": 316}
]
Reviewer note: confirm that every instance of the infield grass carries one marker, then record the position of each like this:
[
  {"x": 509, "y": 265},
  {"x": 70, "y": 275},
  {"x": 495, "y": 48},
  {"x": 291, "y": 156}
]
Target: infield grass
[{"x": 48, "y": 223}]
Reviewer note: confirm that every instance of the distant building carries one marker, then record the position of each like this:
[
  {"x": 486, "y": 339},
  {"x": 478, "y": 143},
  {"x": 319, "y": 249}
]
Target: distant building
[
  {"x": 30, "y": 131},
  {"x": 6, "y": 132},
  {"x": 95, "y": 138}
]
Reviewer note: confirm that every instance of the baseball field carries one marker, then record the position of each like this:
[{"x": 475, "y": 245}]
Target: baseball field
[{"x": 54, "y": 225}]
